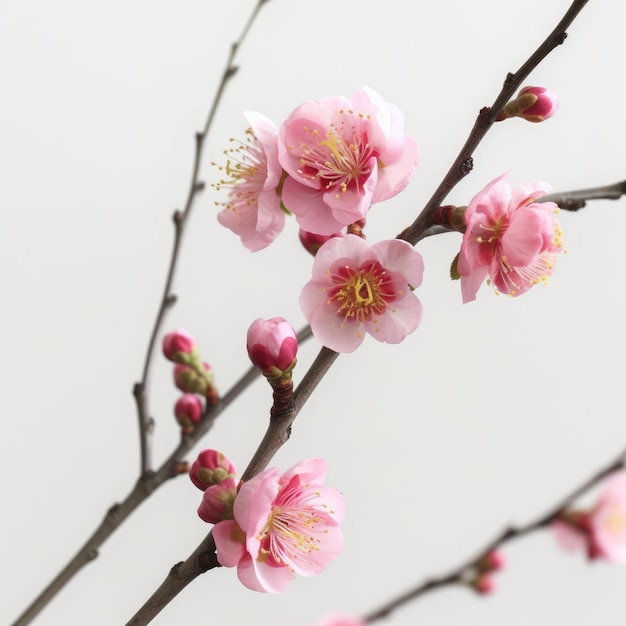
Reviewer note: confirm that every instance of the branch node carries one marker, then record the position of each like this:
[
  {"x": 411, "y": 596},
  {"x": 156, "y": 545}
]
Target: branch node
[{"x": 466, "y": 167}]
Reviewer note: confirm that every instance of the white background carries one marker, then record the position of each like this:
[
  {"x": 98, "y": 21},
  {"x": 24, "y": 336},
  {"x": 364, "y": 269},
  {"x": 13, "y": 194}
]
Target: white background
[{"x": 485, "y": 416}]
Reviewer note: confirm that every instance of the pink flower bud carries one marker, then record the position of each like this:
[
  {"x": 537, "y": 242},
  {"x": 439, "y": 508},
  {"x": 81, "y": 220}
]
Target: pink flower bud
[
  {"x": 177, "y": 344},
  {"x": 211, "y": 468},
  {"x": 217, "y": 501},
  {"x": 189, "y": 381},
  {"x": 188, "y": 409},
  {"x": 539, "y": 103},
  {"x": 495, "y": 560},
  {"x": 312, "y": 242},
  {"x": 484, "y": 584},
  {"x": 272, "y": 345}
]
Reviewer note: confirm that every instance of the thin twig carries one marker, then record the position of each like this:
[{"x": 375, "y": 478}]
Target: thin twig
[
  {"x": 464, "y": 163},
  {"x": 462, "y": 573},
  {"x": 150, "y": 480},
  {"x": 180, "y": 220}
]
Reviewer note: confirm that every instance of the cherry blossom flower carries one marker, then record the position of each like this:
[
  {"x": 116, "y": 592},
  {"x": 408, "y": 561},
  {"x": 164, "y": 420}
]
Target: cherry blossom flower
[
  {"x": 283, "y": 524},
  {"x": 342, "y": 155},
  {"x": 272, "y": 345},
  {"x": 253, "y": 176},
  {"x": 358, "y": 288},
  {"x": 602, "y": 530},
  {"x": 510, "y": 239}
]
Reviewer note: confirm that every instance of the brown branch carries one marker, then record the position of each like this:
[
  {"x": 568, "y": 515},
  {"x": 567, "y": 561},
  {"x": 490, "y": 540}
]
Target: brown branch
[
  {"x": 462, "y": 573},
  {"x": 180, "y": 221},
  {"x": 464, "y": 163},
  {"x": 574, "y": 200}
]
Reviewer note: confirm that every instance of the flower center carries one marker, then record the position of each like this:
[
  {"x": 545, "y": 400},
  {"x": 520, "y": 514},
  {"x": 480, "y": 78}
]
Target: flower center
[
  {"x": 340, "y": 159},
  {"x": 363, "y": 294}
]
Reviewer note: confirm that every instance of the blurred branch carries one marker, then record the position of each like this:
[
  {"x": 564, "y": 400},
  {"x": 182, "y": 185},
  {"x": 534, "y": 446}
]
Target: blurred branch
[
  {"x": 465, "y": 572},
  {"x": 575, "y": 200},
  {"x": 464, "y": 163}
]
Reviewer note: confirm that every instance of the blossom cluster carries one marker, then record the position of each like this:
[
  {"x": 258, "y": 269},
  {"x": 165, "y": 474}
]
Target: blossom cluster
[
  {"x": 273, "y": 525},
  {"x": 327, "y": 164},
  {"x": 192, "y": 376}
]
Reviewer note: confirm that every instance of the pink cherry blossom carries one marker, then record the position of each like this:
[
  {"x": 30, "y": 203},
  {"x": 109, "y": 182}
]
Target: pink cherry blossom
[
  {"x": 602, "y": 530},
  {"x": 282, "y": 524},
  {"x": 510, "y": 239},
  {"x": 342, "y": 155},
  {"x": 358, "y": 288},
  {"x": 253, "y": 176},
  {"x": 272, "y": 344}
]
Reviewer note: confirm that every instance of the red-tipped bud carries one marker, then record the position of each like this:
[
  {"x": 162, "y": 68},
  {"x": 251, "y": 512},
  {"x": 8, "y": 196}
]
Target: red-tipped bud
[
  {"x": 544, "y": 103},
  {"x": 211, "y": 468},
  {"x": 272, "y": 346},
  {"x": 534, "y": 104},
  {"x": 217, "y": 501},
  {"x": 188, "y": 410},
  {"x": 484, "y": 584},
  {"x": 495, "y": 560},
  {"x": 179, "y": 346},
  {"x": 313, "y": 242}
]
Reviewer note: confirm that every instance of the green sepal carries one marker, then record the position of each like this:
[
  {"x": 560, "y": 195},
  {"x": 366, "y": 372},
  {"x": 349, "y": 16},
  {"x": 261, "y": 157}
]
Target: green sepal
[{"x": 454, "y": 268}]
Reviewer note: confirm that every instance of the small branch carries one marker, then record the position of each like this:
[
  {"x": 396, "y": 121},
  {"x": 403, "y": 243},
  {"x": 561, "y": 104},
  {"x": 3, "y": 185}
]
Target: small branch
[
  {"x": 464, "y": 163},
  {"x": 180, "y": 220},
  {"x": 574, "y": 200},
  {"x": 462, "y": 573}
]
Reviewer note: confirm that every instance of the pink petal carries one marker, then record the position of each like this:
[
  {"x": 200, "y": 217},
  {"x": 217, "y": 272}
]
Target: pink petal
[
  {"x": 334, "y": 332},
  {"x": 567, "y": 537},
  {"x": 254, "y": 501},
  {"x": 400, "y": 256},
  {"x": 471, "y": 283},
  {"x": 523, "y": 240},
  {"x": 308, "y": 206},
  {"x": 230, "y": 551},
  {"x": 400, "y": 319},
  {"x": 261, "y": 577}
]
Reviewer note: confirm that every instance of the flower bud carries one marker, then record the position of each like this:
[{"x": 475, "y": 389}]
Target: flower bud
[
  {"x": 484, "y": 584},
  {"x": 272, "y": 346},
  {"x": 211, "y": 468},
  {"x": 534, "y": 104},
  {"x": 189, "y": 380},
  {"x": 217, "y": 501},
  {"x": 179, "y": 346},
  {"x": 188, "y": 410},
  {"x": 312, "y": 242}
]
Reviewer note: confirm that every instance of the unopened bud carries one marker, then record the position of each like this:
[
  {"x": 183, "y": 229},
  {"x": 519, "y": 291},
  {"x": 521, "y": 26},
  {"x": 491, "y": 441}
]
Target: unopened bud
[
  {"x": 534, "y": 104},
  {"x": 188, "y": 410},
  {"x": 312, "y": 242},
  {"x": 217, "y": 501},
  {"x": 211, "y": 468},
  {"x": 179, "y": 346},
  {"x": 272, "y": 346},
  {"x": 193, "y": 380},
  {"x": 484, "y": 584}
]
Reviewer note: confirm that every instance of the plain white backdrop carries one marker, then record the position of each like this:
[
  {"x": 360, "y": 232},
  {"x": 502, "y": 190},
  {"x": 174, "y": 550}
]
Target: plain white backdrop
[{"x": 485, "y": 416}]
